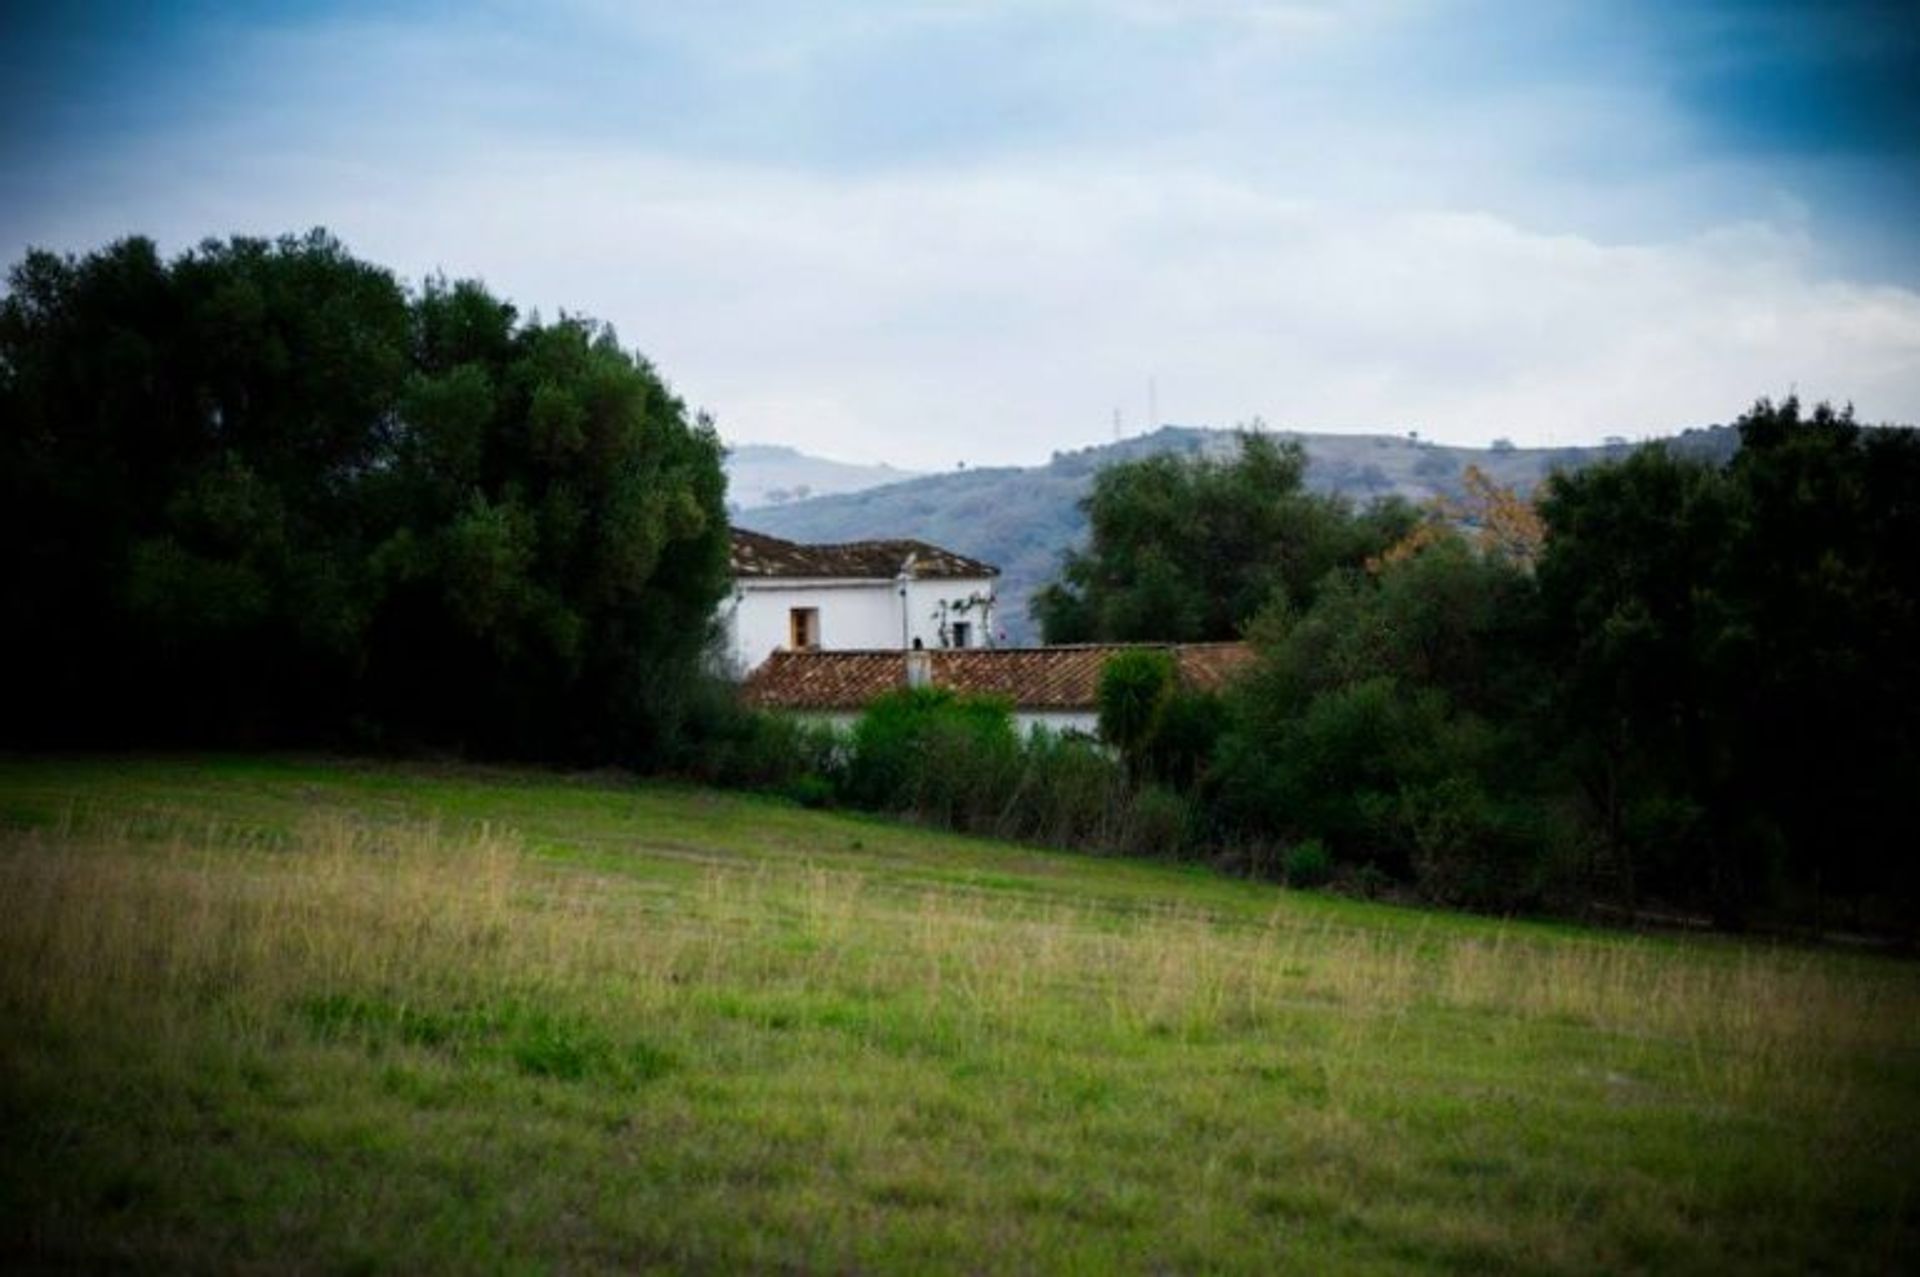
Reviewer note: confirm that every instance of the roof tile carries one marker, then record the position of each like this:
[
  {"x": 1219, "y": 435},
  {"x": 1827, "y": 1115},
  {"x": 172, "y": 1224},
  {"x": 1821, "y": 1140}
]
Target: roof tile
[
  {"x": 1033, "y": 678},
  {"x": 756, "y": 554}
]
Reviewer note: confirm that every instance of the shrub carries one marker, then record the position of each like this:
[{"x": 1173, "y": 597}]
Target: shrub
[
  {"x": 1182, "y": 748},
  {"x": 810, "y": 790},
  {"x": 1156, "y": 823},
  {"x": 1469, "y": 843},
  {"x": 1070, "y": 793},
  {"x": 1307, "y": 864},
  {"x": 741, "y": 748},
  {"x": 1371, "y": 881},
  {"x": 947, "y": 759},
  {"x": 1133, "y": 693},
  {"x": 1333, "y": 770}
]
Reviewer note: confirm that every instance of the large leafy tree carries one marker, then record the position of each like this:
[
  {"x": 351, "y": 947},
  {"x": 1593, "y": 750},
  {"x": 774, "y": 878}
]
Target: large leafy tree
[
  {"x": 1739, "y": 692},
  {"x": 557, "y": 541},
  {"x": 262, "y": 492},
  {"x": 1186, "y": 547},
  {"x": 1382, "y": 720},
  {"x": 181, "y": 447},
  {"x": 1631, "y": 603}
]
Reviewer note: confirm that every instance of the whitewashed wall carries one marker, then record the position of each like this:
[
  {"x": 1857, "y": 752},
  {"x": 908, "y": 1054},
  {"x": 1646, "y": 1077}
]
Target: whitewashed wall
[
  {"x": 854, "y": 614},
  {"x": 962, "y": 599},
  {"x": 1024, "y": 721},
  {"x": 1057, "y": 721}
]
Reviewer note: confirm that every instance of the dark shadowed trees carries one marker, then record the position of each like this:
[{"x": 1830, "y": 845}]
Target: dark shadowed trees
[
  {"x": 1739, "y": 689},
  {"x": 1630, "y": 602},
  {"x": 261, "y": 493},
  {"x": 1702, "y": 695}
]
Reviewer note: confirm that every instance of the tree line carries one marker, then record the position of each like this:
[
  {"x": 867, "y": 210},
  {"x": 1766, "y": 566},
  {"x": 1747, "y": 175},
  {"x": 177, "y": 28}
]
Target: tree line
[
  {"x": 1672, "y": 682},
  {"x": 264, "y": 494}
]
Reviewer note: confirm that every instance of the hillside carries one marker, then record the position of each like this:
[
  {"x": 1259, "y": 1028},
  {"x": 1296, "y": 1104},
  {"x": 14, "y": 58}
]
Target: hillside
[
  {"x": 369, "y": 1018},
  {"x": 760, "y": 474},
  {"x": 1024, "y": 518}
]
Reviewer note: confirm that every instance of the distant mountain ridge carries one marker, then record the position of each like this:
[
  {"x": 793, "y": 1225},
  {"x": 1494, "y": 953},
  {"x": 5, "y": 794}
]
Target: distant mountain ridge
[
  {"x": 764, "y": 474},
  {"x": 1024, "y": 518}
]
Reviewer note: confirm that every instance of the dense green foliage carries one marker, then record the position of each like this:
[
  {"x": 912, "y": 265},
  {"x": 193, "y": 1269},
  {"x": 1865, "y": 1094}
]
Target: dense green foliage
[
  {"x": 1189, "y": 547},
  {"x": 1387, "y": 721},
  {"x": 957, "y": 762},
  {"x": 1703, "y": 695},
  {"x": 929, "y": 752},
  {"x": 1736, "y": 672},
  {"x": 1134, "y": 689},
  {"x": 261, "y": 492}
]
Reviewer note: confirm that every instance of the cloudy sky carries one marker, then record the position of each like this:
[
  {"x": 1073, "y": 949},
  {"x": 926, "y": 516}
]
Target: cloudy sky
[{"x": 934, "y": 231}]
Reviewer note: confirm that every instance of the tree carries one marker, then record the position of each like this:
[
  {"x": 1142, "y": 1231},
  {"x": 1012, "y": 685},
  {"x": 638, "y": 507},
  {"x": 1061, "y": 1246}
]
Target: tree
[
  {"x": 1629, "y": 605},
  {"x": 1827, "y": 586},
  {"x": 1135, "y": 687},
  {"x": 1188, "y": 548},
  {"x": 559, "y": 548},
  {"x": 1739, "y": 692},
  {"x": 184, "y": 444},
  {"x": 1384, "y": 722},
  {"x": 263, "y": 493},
  {"x": 1500, "y": 523}
]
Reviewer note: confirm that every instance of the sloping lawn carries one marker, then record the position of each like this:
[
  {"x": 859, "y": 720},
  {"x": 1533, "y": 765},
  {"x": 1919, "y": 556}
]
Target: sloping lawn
[{"x": 270, "y": 1015}]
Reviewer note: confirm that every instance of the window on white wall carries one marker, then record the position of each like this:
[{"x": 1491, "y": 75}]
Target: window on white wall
[
  {"x": 803, "y": 628},
  {"x": 962, "y": 634}
]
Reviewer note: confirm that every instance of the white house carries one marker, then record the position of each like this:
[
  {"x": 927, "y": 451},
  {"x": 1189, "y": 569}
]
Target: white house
[{"x": 867, "y": 595}]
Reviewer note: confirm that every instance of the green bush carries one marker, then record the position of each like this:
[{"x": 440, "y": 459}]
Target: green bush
[
  {"x": 1467, "y": 849},
  {"x": 1070, "y": 793},
  {"x": 1156, "y": 823},
  {"x": 739, "y": 748},
  {"x": 955, "y": 761},
  {"x": 1333, "y": 770},
  {"x": 1182, "y": 748},
  {"x": 810, "y": 790},
  {"x": 928, "y": 753},
  {"x": 1307, "y": 864},
  {"x": 1371, "y": 882},
  {"x": 1134, "y": 689}
]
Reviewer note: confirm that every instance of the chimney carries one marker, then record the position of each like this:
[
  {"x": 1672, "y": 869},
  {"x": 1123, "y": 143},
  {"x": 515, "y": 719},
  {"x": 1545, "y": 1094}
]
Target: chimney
[{"x": 919, "y": 668}]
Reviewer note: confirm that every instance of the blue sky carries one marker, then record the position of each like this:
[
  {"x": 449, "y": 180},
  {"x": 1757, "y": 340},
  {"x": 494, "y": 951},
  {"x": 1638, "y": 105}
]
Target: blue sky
[{"x": 933, "y": 232}]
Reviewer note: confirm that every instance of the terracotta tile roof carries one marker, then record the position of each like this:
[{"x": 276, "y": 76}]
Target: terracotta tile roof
[
  {"x": 757, "y": 554},
  {"x": 823, "y": 680},
  {"x": 1033, "y": 678}
]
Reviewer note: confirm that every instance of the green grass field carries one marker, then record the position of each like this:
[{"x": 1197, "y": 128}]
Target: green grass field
[{"x": 277, "y": 1015}]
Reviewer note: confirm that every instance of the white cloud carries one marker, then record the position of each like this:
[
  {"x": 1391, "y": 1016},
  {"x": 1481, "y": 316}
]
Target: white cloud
[
  {"x": 1293, "y": 19},
  {"x": 1324, "y": 241},
  {"x": 997, "y": 315}
]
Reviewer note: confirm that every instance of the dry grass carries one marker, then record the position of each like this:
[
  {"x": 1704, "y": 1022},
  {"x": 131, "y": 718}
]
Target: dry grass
[{"x": 352, "y": 1032}]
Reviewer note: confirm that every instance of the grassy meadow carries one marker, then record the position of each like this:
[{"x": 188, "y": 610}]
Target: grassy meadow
[{"x": 273, "y": 1015}]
